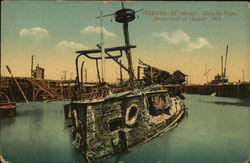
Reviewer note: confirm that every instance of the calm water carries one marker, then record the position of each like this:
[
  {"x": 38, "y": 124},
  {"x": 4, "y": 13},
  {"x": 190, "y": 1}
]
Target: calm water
[{"x": 216, "y": 130}]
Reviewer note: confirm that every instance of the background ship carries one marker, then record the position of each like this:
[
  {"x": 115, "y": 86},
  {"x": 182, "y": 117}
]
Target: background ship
[{"x": 220, "y": 79}]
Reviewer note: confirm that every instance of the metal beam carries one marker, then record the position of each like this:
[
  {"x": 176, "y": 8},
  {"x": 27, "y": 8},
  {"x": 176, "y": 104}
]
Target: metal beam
[
  {"x": 20, "y": 89},
  {"x": 115, "y": 59},
  {"x": 32, "y": 82},
  {"x": 118, "y": 48}
]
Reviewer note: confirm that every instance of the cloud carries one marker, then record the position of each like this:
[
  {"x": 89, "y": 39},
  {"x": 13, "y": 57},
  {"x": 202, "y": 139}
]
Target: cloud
[
  {"x": 180, "y": 36},
  {"x": 71, "y": 45},
  {"x": 177, "y": 37},
  {"x": 198, "y": 44},
  {"x": 38, "y": 32},
  {"x": 97, "y": 30}
]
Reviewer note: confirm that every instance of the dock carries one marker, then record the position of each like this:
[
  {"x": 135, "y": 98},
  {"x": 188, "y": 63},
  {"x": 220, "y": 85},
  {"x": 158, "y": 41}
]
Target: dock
[
  {"x": 37, "y": 89},
  {"x": 239, "y": 90},
  {"x": 51, "y": 90}
]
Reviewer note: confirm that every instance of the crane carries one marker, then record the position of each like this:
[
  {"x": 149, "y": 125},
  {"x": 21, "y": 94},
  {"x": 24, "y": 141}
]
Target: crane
[{"x": 206, "y": 72}]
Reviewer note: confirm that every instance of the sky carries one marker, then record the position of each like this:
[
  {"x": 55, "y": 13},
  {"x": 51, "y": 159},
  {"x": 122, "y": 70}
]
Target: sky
[{"x": 168, "y": 35}]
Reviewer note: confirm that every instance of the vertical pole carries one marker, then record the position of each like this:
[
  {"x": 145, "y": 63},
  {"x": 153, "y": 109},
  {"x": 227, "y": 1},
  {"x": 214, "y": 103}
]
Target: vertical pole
[
  {"x": 102, "y": 48},
  {"x": 61, "y": 89},
  {"x": 138, "y": 72},
  {"x": 97, "y": 69},
  {"x": 225, "y": 66},
  {"x": 82, "y": 73},
  {"x": 32, "y": 62},
  {"x": 222, "y": 66},
  {"x": 33, "y": 92},
  {"x": 121, "y": 72},
  {"x": 128, "y": 51},
  {"x": 222, "y": 74},
  {"x": 151, "y": 72},
  {"x": 86, "y": 74},
  {"x": 243, "y": 75},
  {"x": 0, "y": 66}
]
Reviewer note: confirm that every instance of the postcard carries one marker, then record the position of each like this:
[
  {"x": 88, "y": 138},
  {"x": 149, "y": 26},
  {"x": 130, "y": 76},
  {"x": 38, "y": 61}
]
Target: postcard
[{"x": 125, "y": 81}]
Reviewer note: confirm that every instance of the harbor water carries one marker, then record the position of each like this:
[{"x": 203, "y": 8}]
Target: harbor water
[{"x": 216, "y": 129}]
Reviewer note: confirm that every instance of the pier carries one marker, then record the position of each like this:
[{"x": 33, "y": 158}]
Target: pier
[
  {"x": 50, "y": 90},
  {"x": 37, "y": 89},
  {"x": 240, "y": 90}
]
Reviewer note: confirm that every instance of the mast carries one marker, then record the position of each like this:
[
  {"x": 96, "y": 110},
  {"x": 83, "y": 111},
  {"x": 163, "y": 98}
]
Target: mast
[
  {"x": 128, "y": 51},
  {"x": 125, "y": 16},
  {"x": 102, "y": 48},
  {"x": 222, "y": 67},
  {"x": 0, "y": 68},
  {"x": 121, "y": 73},
  {"x": 224, "y": 75},
  {"x": 97, "y": 69}
]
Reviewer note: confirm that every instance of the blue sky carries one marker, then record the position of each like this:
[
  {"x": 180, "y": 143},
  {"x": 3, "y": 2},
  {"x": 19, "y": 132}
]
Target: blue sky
[{"x": 53, "y": 31}]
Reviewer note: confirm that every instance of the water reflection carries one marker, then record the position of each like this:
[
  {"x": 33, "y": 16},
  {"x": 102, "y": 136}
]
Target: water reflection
[
  {"x": 216, "y": 130},
  {"x": 245, "y": 103}
]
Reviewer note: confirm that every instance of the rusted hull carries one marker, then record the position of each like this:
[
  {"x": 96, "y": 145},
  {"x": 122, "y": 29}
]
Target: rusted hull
[{"x": 103, "y": 128}]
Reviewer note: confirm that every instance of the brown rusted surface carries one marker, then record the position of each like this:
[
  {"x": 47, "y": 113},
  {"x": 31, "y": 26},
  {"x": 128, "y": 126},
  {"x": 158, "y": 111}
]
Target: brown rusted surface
[
  {"x": 153, "y": 75},
  {"x": 38, "y": 89},
  {"x": 7, "y": 109}
]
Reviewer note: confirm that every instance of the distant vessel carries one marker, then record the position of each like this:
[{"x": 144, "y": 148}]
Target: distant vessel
[
  {"x": 220, "y": 79},
  {"x": 110, "y": 120}
]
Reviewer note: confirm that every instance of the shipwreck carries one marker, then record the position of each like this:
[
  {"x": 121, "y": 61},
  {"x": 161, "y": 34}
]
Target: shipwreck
[{"x": 110, "y": 120}]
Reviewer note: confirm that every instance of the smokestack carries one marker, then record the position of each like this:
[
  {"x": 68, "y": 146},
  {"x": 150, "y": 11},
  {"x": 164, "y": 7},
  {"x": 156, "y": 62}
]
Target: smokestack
[
  {"x": 222, "y": 67},
  {"x": 32, "y": 62},
  {"x": 225, "y": 62}
]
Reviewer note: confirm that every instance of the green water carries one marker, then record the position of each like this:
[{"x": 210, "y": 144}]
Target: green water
[{"x": 217, "y": 129}]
